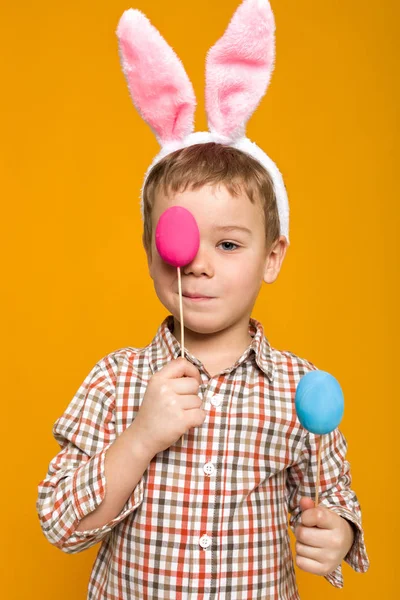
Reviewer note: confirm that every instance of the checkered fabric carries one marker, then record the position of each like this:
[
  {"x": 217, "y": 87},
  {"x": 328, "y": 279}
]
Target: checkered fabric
[{"x": 210, "y": 517}]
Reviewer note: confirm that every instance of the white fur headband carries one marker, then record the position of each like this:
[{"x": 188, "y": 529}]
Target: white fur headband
[{"x": 238, "y": 71}]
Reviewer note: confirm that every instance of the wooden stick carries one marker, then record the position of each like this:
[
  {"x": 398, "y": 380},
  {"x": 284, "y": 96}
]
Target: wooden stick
[
  {"x": 318, "y": 468},
  {"x": 181, "y": 312}
]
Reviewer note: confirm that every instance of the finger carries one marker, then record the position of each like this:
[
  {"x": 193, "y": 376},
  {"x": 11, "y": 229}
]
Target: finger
[
  {"x": 180, "y": 367},
  {"x": 318, "y": 517},
  {"x": 185, "y": 385},
  {"x": 308, "y": 551},
  {"x": 306, "y": 503},
  {"x": 190, "y": 402},
  {"x": 309, "y": 565},
  {"x": 312, "y": 536},
  {"x": 195, "y": 417}
]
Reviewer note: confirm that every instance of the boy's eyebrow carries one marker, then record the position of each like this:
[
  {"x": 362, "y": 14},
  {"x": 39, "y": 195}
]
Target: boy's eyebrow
[{"x": 232, "y": 228}]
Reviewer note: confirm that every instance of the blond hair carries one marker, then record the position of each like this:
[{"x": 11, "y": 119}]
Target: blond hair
[{"x": 212, "y": 164}]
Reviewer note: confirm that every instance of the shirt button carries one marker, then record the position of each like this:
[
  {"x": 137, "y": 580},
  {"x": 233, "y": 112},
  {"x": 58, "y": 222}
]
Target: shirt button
[
  {"x": 205, "y": 541},
  {"x": 209, "y": 468},
  {"x": 217, "y": 400}
]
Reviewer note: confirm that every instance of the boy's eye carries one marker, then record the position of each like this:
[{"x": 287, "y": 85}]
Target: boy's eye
[{"x": 229, "y": 244}]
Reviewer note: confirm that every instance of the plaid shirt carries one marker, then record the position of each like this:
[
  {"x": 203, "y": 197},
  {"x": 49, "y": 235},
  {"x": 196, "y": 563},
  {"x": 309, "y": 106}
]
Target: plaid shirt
[{"x": 210, "y": 516}]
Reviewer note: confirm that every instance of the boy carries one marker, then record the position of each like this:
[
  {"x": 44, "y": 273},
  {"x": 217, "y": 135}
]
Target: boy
[
  {"x": 186, "y": 468},
  {"x": 202, "y": 457}
]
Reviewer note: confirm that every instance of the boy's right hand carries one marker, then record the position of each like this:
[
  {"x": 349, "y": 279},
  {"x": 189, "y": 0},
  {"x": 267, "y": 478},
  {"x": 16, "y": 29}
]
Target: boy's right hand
[{"x": 170, "y": 406}]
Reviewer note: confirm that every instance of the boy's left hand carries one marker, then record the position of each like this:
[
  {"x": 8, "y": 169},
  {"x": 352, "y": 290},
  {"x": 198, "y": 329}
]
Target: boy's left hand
[{"x": 322, "y": 539}]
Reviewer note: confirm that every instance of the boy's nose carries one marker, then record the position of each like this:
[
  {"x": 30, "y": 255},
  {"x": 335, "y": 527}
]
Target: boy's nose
[{"x": 200, "y": 265}]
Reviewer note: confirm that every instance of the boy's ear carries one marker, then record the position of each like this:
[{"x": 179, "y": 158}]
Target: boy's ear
[
  {"x": 149, "y": 262},
  {"x": 274, "y": 259}
]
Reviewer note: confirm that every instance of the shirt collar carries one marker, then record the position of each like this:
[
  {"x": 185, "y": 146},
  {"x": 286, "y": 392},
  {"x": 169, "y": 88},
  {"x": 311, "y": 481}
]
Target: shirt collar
[{"x": 165, "y": 347}]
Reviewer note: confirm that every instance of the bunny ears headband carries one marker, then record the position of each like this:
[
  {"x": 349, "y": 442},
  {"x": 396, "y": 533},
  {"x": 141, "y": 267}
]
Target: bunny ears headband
[{"x": 238, "y": 71}]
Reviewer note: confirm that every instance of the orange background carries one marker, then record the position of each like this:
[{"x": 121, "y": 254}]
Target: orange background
[{"x": 75, "y": 285}]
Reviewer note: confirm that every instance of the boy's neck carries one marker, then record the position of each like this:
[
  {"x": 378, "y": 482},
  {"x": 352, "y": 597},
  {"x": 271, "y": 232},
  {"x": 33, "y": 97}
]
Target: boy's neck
[{"x": 218, "y": 350}]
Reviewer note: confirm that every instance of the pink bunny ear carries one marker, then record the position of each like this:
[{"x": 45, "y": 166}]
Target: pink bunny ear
[
  {"x": 239, "y": 67},
  {"x": 157, "y": 80}
]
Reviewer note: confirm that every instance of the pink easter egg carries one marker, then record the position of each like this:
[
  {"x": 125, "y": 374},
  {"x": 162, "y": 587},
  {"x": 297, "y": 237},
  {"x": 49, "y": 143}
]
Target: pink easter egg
[{"x": 177, "y": 236}]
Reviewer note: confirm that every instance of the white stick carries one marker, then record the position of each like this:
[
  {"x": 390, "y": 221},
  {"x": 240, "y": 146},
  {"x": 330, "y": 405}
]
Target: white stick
[
  {"x": 181, "y": 311},
  {"x": 318, "y": 468}
]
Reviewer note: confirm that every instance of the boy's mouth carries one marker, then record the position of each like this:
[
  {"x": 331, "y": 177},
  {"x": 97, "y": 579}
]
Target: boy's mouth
[{"x": 196, "y": 297}]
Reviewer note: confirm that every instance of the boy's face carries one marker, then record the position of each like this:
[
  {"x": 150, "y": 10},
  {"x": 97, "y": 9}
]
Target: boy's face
[{"x": 231, "y": 263}]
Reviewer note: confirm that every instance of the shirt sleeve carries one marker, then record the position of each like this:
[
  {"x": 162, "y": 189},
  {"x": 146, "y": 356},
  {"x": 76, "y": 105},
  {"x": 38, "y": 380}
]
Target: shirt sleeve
[
  {"x": 75, "y": 483},
  {"x": 334, "y": 492}
]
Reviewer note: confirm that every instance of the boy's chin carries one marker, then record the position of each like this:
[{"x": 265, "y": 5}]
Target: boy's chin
[{"x": 203, "y": 324}]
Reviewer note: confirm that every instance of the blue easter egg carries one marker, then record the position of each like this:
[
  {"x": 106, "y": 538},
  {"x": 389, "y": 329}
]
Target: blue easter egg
[{"x": 319, "y": 402}]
